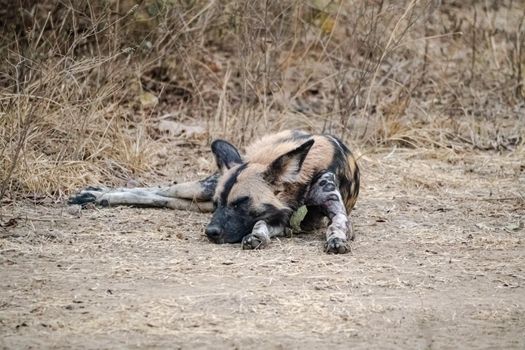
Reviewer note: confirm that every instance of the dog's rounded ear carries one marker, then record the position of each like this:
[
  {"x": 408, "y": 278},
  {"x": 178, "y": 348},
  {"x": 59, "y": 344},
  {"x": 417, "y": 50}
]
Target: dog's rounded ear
[
  {"x": 226, "y": 155},
  {"x": 287, "y": 167}
]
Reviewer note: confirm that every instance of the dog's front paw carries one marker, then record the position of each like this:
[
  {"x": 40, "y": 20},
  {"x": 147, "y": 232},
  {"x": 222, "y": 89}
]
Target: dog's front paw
[
  {"x": 89, "y": 195},
  {"x": 255, "y": 241},
  {"x": 336, "y": 245}
]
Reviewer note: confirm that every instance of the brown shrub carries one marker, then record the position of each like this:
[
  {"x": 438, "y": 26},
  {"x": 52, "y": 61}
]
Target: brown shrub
[{"x": 85, "y": 83}]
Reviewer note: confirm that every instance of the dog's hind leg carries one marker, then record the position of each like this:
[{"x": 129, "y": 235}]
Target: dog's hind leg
[{"x": 195, "y": 195}]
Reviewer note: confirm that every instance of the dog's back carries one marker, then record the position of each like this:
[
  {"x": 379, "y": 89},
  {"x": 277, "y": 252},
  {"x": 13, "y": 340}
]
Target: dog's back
[{"x": 328, "y": 153}]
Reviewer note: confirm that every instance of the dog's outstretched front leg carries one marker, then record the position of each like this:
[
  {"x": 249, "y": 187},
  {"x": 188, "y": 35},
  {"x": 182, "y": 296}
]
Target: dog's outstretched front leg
[
  {"x": 325, "y": 193},
  {"x": 261, "y": 235},
  {"x": 194, "y": 195}
]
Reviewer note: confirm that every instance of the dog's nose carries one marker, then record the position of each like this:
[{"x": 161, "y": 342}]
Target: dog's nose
[{"x": 213, "y": 232}]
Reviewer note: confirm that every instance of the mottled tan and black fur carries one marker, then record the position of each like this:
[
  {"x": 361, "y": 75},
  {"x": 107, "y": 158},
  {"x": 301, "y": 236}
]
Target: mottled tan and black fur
[{"x": 253, "y": 196}]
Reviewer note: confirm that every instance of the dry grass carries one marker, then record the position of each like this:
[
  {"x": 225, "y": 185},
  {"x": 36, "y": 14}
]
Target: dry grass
[{"x": 84, "y": 84}]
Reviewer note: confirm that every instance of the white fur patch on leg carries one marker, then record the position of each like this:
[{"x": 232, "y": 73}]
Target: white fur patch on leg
[
  {"x": 260, "y": 236},
  {"x": 325, "y": 193}
]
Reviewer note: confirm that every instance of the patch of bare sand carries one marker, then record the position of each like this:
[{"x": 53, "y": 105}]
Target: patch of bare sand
[{"x": 439, "y": 262}]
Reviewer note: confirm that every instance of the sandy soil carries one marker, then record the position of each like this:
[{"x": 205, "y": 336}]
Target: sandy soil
[{"x": 439, "y": 262}]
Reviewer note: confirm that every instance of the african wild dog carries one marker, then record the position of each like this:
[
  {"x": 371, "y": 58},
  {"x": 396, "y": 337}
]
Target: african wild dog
[{"x": 253, "y": 196}]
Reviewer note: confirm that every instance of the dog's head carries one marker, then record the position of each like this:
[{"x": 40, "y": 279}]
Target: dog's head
[{"x": 248, "y": 192}]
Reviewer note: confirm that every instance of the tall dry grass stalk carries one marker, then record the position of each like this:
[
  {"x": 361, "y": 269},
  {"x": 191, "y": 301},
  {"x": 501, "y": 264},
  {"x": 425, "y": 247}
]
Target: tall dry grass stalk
[{"x": 85, "y": 84}]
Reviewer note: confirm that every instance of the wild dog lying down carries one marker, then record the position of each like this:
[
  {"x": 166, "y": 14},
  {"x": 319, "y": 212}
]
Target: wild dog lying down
[{"x": 253, "y": 196}]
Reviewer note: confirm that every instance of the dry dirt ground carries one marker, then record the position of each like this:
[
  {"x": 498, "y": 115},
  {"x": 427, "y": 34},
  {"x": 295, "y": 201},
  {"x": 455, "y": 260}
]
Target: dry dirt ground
[{"x": 439, "y": 262}]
